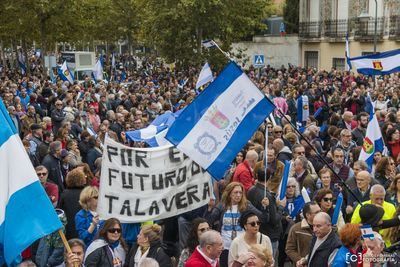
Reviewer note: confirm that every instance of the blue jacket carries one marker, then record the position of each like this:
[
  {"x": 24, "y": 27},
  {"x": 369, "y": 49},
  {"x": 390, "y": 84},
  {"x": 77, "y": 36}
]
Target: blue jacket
[
  {"x": 344, "y": 258},
  {"x": 82, "y": 222}
]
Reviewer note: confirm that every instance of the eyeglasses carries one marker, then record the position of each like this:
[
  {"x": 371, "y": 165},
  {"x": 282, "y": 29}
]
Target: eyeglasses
[
  {"x": 114, "y": 231},
  {"x": 278, "y": 131},
  {"x": 327, "y": 199},
  {"x": 254, "y": 224},
  {"x": 291, "y": 186},
  {"x": 41, "y": 173},
  {"x": 204, "y": 229}
]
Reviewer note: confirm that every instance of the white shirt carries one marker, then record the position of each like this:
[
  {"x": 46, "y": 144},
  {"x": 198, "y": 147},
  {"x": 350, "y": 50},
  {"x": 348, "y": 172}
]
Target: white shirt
[{"x": 208, "y": 259}]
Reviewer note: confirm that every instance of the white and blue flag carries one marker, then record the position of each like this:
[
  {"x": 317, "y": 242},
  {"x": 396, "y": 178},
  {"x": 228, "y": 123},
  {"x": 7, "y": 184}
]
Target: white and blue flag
[
  {"x": 98, "y": 71},
  {"x": 154, "y": 134},
  {"x": 220, "y": 121},
  {"x": 284, "y": 181},
  {"x": 373, "y": 142},
  {"x": 378, "y": 64},
  {"x": 347, "y": 54},
  {"x": 65, "y": 74},
  {"x": 21, "y": 63},
  {"x": 26, "y": 213},
  {"x": 209, "y": 43},
  {"x": 303, "y": 109},
  {"x": 205, "y": 76}
]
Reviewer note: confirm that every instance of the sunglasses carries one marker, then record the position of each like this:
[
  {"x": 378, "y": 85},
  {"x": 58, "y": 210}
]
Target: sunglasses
[
  {"x": 278, "y": 131},
  {"x": 41, "y": 173},
  {"x": 327, "y": 199},
  {"x": 291, "y": 186},
  {"x": 96, "y": 197},
  {"x": 114, "y": 231},
  {"x": 258, "y": 223},
  {"x": 204, "y": 229}
]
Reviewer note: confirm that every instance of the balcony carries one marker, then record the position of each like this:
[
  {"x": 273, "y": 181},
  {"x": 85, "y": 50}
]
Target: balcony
[
  {"x": 365, "y": 30},
  {"x": 310, "y": 29},
  {"x": 394, "y": 27},
  {"x": 336, "y": 28}
]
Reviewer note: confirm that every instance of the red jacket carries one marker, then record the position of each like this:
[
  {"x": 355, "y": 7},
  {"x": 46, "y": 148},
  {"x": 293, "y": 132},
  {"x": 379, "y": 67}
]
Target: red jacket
[
  {"x": 244, "y": 175},
  {"x": 197, "y": 260}
]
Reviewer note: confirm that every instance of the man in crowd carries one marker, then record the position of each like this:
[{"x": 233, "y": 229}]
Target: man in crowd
[
  {"x": 244, "y": 171},
  {"x": 208, "y": 252}
]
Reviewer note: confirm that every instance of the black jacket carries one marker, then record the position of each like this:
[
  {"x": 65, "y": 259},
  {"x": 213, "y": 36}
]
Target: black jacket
[
  {"x": 321, "y": 255},
  {"x": 69, "y": 203},
  {"x": 53, "y": 166},
  {"x": 99, "y": 258},
  {"x": 156, "y": 251},
  {"x": 57, "y": 117},
  {"x": 273, "y": 226}
]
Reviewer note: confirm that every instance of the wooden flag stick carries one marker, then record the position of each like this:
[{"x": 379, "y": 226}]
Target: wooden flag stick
[{"x": 66, "y": 245}]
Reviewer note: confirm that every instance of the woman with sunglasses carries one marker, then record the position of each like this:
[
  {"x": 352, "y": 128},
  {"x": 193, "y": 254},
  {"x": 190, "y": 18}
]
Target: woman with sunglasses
[
  {"x": 148, "y": 245},
  {"x": 324, "y": 198},
  {"x": 250, "y": 222},
  {"x": 87, "y": 221},
  {"x": 199, "y": 226},
  {"x": 109, "y": 249},
  {"x": 385, "y": 171}
]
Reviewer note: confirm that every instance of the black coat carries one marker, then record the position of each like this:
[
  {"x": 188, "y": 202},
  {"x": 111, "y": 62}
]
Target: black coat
[
  {"x": 273, "y": 227},
  {"x": 99, "y": 258},
  {"x": 91, "y": 157},
  {"x": 321, "y": 255},
  {"x": 57, "y": 117},
  {"x": 53, "y": 166},
  {"x": 69, "y": 203},
  {"x": 156, "y": 251}
]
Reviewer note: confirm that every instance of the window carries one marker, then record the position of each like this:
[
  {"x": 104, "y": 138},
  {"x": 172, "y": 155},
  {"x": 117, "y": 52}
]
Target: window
[
  {"x": 338, "y": 63},
  {"x": 311, "y": 59}
]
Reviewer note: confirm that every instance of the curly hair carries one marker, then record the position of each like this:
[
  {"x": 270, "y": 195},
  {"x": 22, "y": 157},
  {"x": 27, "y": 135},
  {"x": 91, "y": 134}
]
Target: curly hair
[
  {"x": 193, "y": 239},
  {"x": 263, "y": 253},
  {"x": 75, "y": 178},
  {"x": 350, "y": 234}
]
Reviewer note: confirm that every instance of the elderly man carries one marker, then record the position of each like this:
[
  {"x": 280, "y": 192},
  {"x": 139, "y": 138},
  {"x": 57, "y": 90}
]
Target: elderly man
[
  {"x": 300, "y": 235},
  {"x": 323, "y": 243},
  {"x": 302, "y": 175},
  {"x": 52, "y": 162},
  {"x": 208, "y": 252},
  {"x": 57, "y": 116},
  {"x": 283, "y": 152},
  {"x": 358, "y": 166},
  {"x": 362, "y": 192},
  {"x": 377, "y": 197},
  {"x": 50, "y": 188},
  {"x": 244, "y": 171}
]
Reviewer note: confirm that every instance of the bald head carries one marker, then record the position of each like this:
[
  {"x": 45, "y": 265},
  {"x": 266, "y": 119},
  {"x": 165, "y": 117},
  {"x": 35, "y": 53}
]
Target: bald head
[
  {"x": 278, "y": 144},
  {"x": 322, "y": 225},
  {"x": 252, "y": 157},
  {"x": 377, "y": 194}
]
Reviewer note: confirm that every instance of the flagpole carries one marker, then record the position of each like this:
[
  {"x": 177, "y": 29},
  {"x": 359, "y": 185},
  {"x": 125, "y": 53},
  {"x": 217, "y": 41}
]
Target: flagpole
[
  {"x": 265, "y": 157},
  {"x": 223, "y": 52},
  {"x": 66, "y": 245}
]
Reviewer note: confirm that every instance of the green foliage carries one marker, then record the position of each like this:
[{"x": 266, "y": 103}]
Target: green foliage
[
  {"x": 173, "y": 28},
  {"x": 291, "y": 16}
]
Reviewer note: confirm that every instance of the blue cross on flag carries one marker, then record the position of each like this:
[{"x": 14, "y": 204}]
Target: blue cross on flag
[{"x": 220, "y": 121}]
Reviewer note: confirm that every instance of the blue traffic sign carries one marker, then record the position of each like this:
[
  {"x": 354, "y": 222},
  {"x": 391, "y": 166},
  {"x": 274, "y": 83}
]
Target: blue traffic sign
[{"x": 259, "y": 61}]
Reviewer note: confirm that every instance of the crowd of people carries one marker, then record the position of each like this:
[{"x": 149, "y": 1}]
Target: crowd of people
[{"x": 63, "y": 126}]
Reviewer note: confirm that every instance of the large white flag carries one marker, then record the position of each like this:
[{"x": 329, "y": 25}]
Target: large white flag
[{"x": 205, "y": 76}]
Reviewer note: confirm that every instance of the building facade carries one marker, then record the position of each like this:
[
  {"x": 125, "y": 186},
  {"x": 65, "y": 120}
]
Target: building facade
[{"x": 324, "y": 24}]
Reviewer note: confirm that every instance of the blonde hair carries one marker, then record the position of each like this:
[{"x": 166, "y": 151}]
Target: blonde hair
[
  {"x": 152, "y": 232},
  {"x": 263, "y": 253},
  {"x": 87, "y": 193},
  {"x": 226, "y": 197}
]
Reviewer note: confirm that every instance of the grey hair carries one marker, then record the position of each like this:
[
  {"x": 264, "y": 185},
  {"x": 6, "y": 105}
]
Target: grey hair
[
  {"x": 297, "y": 189},
  {"x": 377, "y": 188},
  {"x": 363, "y": 165},
  {"x": 303, "y": 161},
  {"x": 148, "y": 262},
  {"x": 54, "y": 146},
  {"x": 325, "y": 216},
  {"x": 208, "y": 238}
]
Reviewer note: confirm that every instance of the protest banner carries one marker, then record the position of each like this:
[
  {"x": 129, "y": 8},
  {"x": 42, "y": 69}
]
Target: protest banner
[{"x": 142, "y": 184}]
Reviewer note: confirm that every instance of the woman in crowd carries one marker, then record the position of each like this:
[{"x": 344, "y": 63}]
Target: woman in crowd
[
  {"x": 148, "y": 246},
  {"x": 257, "y": 256},
  {"x": 241, "y": 244},
  {"x": 69, "y": 200},
  {"x": 294, "y": 200},
  {"x": 385, "y": 171},
  {"x": 75, "y": 154},
  {"x": 87, "y": 220},
  {"x": 393, "y": 141},
  {"x": 90, "y": 178},
  {"x": 393, "y": 194},
  {"x": 199, "y": 226},
  {"x": 350, "y": 235},
  {"x": 324, "y": 198},
  {"x": 227, "y": 213},
  {"x": 109, "y": 249}
]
